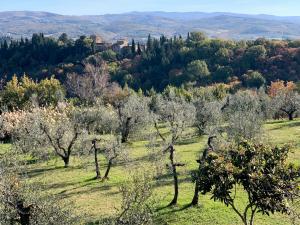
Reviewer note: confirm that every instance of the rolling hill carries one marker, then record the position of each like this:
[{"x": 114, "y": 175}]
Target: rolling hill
[{"x": 140, "y": 24}]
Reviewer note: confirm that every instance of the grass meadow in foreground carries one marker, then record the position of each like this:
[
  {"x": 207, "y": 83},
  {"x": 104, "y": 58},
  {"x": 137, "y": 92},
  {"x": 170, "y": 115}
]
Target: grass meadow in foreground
[{"x": 95, "y": 199}]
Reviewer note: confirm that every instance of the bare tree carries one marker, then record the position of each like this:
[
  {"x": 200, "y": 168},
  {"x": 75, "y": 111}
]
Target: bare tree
[{"x": 90, "y": 85}]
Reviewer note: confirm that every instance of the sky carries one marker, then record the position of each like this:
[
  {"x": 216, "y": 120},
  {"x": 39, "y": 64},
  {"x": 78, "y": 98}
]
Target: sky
[{"x": 98, "y": 7}]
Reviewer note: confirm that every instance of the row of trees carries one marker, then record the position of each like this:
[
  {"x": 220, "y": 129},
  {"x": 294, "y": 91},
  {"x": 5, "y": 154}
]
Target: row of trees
[
  {"x": 102, "y": 118},
  {"x": 106, "y": 127}
]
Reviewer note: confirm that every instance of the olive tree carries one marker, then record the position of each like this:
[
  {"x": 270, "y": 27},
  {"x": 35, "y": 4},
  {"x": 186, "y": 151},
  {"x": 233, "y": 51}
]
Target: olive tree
[
  {"x": 287, "y": 102},
  {"x": 263, "y": 172},
  {"x": 176, "y": 115},
  {"x": 9, "y": 123},
  {"x": 208, "y": 116},
  {"x": 244, "y": 116},
  {"x": 23, "y": 203},
  {"x": 54, "y": 128},
  {"x": 101, "y": 123},
  {"x": 138, "y": 201},
  {"x": 210, "y": 148},
  {"x": 133, "y": 115},
  {"x": 112, "y": 149}
]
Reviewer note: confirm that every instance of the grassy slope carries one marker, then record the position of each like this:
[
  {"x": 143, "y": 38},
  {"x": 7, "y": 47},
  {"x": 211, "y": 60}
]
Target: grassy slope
[{"x": 96, "y": 199}]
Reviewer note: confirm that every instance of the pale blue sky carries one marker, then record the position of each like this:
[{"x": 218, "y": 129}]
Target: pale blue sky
[{"x": 96, "y": 7}]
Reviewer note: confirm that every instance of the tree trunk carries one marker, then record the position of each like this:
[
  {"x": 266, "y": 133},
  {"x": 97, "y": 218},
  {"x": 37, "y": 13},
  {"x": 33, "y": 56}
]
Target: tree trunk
[
  {"x": 195, "y": 200},
  {"x": 66, "y": 160},
  {"x": 107, "y": 170},
  {"x": 291, "y": 116},
  {"x": 175, "y": 176},
  {"x": 125, "y": 132},
  {"x": 97, "y": 168},
  {"x": 24, "y": 213}
]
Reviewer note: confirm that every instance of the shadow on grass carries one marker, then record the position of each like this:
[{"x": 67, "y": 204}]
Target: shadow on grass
[
  {"x": 75, "y": 191},
  {"x": 188, "y": 141},
  {"x": 36, "y": 172},
  {"x": 169, "y": 182},
  {"x": 176, "y": 208},
  {"x": 276, "y": 121},
  {"x": 287, "y": 124}
]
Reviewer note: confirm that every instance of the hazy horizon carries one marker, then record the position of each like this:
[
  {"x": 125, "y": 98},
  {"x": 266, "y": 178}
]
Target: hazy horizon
[
  {"x": 99, "y": 7},
  {"x": 155, "y": 11}
]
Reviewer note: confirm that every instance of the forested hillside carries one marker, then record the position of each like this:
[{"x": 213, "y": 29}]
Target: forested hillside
[
  {"x": 140, "y": 24},
  {"x": 196, "y": 60}
]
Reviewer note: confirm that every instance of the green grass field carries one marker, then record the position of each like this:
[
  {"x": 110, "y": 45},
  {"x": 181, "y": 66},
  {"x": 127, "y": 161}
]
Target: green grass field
[{"x": 95, "y": 199}]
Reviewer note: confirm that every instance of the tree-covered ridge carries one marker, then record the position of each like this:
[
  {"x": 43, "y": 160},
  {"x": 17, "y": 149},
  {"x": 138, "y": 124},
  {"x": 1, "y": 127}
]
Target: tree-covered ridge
[{"x": 195, "y": 60}]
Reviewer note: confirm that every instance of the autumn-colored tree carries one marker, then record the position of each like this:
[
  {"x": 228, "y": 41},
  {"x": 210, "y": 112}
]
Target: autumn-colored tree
[
  {"x": 278, "y": 86},
  {"x": 285, "y": 98},
  {"x": 24, "y": 92}
]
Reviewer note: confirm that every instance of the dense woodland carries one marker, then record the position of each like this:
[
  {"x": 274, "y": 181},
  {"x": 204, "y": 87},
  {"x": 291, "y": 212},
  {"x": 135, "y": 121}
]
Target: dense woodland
[
  {"x": 75, "y": 102},
  {"x": 195, "y": 60}
]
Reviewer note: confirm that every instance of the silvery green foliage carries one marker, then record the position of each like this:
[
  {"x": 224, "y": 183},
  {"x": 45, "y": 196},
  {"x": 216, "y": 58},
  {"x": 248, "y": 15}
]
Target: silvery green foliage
[
  {"x": 98, "y": 119},
  {"x": 47, "y": 131},
  {"x": 156, "y": 155},
  {"x": 176, "y": 114},
  {"x": 137, "y": 204},
  {"x": 113, "y": 149},
  {"x": 266, "y": 104},
  {"x": 287, "y": 102},
  {"x": 43, "y": 209},
  {"x": 28, "y": 137},
  {"x": 244, "y": 117},
  {"x": 133, "y": 115},
  {"x": 208, "y": 116}
]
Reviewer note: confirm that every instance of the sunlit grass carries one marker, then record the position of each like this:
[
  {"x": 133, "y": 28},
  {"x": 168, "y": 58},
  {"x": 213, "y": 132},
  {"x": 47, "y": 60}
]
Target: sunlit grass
[{"x": 96, "y": 199}]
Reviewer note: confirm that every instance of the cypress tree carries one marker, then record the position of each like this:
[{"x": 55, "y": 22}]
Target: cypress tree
[
  {"x": 149, "y": 43},
  {"x": 139, "y": 50},
  {"x": 133, "y": 47}
]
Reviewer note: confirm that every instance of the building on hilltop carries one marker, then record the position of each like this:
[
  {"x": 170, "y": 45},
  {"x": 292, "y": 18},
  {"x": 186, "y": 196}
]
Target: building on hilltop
[
  {"x": 119, "y": 45},
  {"x": 100, "y": 44},
  {"x": 97, "y": 39}
]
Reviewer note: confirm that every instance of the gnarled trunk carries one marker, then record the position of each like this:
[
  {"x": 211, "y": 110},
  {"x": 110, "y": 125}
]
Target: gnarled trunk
[
  {"x": 97, "y": 167},
  {"x": 175, "y": 177},
  {"x": 24, "y": 213},
  {"x": 107, "y": 170},
  {"x": 66, "y": 160},
  {"x": 291, "y": 116},
  {"x": 195, "y": 200},
  {"x": 125, "y": 132}
]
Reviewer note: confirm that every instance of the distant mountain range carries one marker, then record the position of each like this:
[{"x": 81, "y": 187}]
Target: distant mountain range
[{"x": 139, "y": 24}]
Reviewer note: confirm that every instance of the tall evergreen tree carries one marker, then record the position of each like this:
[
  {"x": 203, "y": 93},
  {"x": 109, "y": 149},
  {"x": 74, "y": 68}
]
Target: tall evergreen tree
[
  {"x": 133, "y": 47},
  {"x": 139, "y": 50}
]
